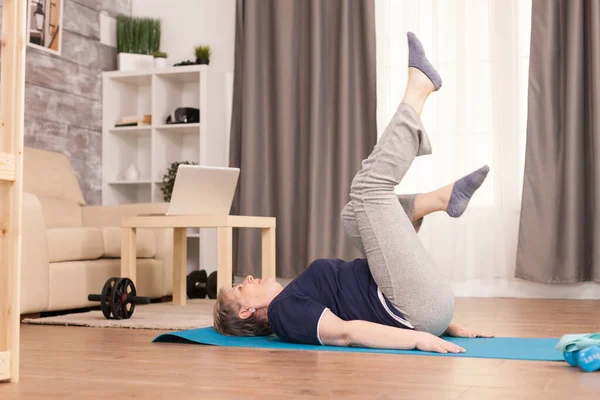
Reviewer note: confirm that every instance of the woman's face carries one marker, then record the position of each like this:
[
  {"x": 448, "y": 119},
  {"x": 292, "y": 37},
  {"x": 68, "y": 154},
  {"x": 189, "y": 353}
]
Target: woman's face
[{"x": 255, "y": 293}]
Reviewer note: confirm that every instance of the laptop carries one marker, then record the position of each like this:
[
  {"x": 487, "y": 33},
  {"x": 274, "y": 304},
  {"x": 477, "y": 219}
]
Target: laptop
[{"x": 203, "y": 190}]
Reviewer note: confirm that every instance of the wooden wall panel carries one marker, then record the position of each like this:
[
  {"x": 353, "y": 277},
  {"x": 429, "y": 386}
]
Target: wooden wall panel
[
  {"x": 51, "y": 105},
  {"x": 64, "y": 76},
  {"x": 81, "y": 19},
  {"x": 88, "y": 52},
  {"x": 113, "y": 7}
]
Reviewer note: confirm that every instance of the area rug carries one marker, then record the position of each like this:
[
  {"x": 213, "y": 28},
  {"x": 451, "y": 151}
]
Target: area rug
[{"x": 164, "y": 316}]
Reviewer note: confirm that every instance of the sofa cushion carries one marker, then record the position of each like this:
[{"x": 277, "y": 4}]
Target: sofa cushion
[
  {"x": 49, "y": 174},
  {"x": 74, "y": 244},
  {"x": 59, "y": 213},
  {"x": 145, "y": 242}
]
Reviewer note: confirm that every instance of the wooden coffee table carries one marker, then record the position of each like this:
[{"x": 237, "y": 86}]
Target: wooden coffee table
[{"x": 224, "y": 225}]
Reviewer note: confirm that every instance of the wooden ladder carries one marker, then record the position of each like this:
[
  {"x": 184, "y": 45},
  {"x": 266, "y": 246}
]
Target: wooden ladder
[{"x": 12, "y": 101}]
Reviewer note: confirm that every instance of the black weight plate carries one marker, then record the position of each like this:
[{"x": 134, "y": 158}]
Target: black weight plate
[
  {"x": 211, "y": 285},
  {"x": 106, "y": 292},
  {"x": 129, "y": 291},
  {"x": 196, "y": 284},
  {"x": 121, "y": 309}
]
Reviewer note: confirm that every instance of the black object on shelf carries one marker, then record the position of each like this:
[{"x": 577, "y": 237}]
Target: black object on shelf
[
  {"x": 184, "y": 63},
  {"x": 184, "y": 115}
]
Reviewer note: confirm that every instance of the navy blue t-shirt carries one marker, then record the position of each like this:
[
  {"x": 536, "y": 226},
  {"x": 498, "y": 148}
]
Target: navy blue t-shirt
[{"x": 345, "y": 288}]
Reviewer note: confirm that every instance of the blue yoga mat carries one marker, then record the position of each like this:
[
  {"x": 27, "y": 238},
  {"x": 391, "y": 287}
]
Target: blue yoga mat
[{"x": 499, "y": 347}]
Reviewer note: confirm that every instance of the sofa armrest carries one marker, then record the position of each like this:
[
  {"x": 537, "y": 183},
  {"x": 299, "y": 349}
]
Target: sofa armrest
[
  {"x": 104, "y": 216},
  {"x": 35, "y": 267}
]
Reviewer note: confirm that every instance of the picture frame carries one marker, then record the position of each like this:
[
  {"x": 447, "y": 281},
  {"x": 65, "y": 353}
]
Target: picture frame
[{"x": 45, "y": 25}]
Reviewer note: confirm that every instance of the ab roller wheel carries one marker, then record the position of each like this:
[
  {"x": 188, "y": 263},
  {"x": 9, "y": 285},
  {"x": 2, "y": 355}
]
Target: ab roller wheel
[{"x": 118, "y": 298}]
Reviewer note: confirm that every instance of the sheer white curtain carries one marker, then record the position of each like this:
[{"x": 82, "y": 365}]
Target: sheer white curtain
[{"x": 481, "y": 49}]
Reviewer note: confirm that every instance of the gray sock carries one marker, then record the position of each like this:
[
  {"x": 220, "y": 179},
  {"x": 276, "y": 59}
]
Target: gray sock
[
  {"x": 463, "y": 191},
  {"x": 418, "y": 59}
]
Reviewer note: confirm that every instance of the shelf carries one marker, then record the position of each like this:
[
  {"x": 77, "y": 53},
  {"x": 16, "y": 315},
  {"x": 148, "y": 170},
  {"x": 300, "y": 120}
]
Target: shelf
[
  {"x": 132, "y": 130},
  {"x": 125, "y": 100},
  {"x": 139, "y": 182},
  {"x": 183, "y": 74},
  {"x": 153, "y": 149},
  {"x": 140, "y": 78},
  {"x": 174, "y": 93},
  {"x": 126, "y": 192},
  {"x": 180, "y": 128},
  {"x": 179, "y": 144}
]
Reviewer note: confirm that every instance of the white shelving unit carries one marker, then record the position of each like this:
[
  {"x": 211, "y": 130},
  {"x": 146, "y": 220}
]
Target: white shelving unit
[{"x": 152, "y": 149}]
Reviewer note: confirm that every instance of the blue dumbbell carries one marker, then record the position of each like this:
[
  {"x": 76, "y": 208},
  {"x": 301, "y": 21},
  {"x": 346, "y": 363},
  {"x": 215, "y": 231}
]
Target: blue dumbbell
[
  {"x": 572, "y": 357},
  {"x": 589, "y": 359}
]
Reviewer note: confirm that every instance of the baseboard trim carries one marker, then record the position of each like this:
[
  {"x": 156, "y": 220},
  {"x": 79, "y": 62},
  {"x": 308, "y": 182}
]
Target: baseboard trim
[{"x": 525, "y": 289}]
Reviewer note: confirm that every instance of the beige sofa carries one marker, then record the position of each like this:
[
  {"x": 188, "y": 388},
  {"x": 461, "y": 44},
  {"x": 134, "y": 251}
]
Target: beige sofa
[{"x": 70, "y": 249}]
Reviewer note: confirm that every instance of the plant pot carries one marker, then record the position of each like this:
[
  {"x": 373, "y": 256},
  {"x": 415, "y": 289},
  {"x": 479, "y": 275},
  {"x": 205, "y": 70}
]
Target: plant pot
[
  {"x": 160, "y": 62},
  {"x": 131, "y": 62},
  {"x": 202, "y": 61}
]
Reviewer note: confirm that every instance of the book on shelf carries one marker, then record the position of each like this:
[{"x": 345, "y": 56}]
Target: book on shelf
[
  {"x": 134, "y": 120},
  {"x": 124, "y": 124}
]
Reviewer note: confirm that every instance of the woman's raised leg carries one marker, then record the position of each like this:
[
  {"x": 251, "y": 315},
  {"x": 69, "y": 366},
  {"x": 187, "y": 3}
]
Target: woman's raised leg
[
  {"x": 402, "y": 268},
  {"x": 380, "y": 221},
  {"x": 416, "y": 206},
  {"x": 452, "y": 199}
]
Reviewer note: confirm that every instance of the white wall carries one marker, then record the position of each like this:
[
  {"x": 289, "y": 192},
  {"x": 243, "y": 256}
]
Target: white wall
[{"x": 189, "y": 23}]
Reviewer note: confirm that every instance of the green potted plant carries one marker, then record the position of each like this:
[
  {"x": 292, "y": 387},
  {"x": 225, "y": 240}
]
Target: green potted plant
[
  {"x": 137, "y": 39},
  {"x": 203, "y": 54},
  {"x": 160, "y": 59},
  {"x": 169, "y": 178}
]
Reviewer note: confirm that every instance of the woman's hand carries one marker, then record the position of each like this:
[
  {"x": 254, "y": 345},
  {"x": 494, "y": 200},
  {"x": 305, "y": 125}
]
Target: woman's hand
[
  {"x": 458, "y": 331},
  {"x": 428, "y": 342}
]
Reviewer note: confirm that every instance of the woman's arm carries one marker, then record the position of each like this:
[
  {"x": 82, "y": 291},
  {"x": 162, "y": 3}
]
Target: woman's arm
[
  {"x": 337, "y": 332},
  {"x": 459, "y": 331}
]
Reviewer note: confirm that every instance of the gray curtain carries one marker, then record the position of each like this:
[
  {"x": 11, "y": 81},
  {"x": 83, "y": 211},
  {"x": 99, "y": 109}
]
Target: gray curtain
[
  {"x": 304, "y": 117},
  {"x": 559, "y": 236}
]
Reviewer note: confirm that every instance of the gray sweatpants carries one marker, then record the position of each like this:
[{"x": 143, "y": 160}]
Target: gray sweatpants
[{"x": 380, "y": 224}]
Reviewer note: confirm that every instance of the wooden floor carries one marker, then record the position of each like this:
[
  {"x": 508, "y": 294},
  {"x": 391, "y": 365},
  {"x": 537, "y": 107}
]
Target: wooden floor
[{"x": 93, "y": 363}]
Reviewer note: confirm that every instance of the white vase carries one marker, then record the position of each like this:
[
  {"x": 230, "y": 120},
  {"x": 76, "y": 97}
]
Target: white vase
[
  {"x": 160, "y": 62},
  {"x": 131, "y": 62},
  {"x": 132, "y": 173}
]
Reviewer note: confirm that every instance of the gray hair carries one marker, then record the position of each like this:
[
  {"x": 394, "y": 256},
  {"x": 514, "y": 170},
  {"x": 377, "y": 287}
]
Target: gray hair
[{"x": 227, "y": 321}]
